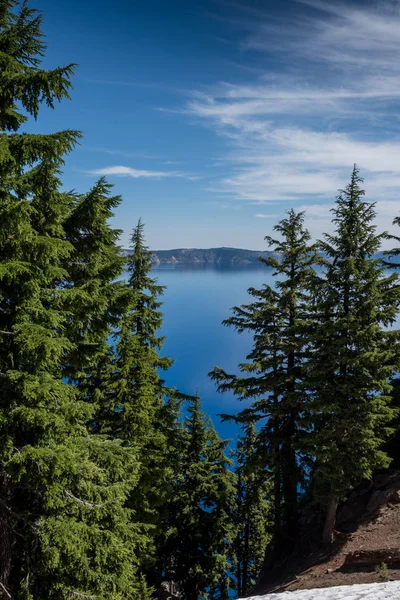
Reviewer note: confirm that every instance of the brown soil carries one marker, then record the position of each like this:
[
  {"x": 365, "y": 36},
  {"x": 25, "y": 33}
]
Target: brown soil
[{"x": 320, "y": 570}]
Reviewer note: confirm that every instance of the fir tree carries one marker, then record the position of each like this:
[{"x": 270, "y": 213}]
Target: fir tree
[
  {"x": 64, "y": 528},
  {"x": 353, "y": 356},
  {"x": 199, "y": 513},
  {"x": 274, "y": 376},
  {"x": 137, "y": 392},
  {"x": 96, "y": 299},
  {"x": 251, "y": 513}
]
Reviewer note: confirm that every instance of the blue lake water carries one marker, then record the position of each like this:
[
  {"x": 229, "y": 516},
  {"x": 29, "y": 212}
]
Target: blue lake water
[{"x": 196, "y": 301}]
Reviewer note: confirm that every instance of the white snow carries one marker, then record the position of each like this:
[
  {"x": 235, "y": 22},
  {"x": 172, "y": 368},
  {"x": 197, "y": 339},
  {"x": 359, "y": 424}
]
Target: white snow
[{"x": 373, "y": 591}]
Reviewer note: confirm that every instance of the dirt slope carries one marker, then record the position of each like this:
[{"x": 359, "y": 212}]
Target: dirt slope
[{"x": 368, "y": 535}]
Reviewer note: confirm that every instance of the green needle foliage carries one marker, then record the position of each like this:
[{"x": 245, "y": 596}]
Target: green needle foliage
[
  {"x": 274, "y": 376},
  {"x": 252, "y": 510},
  {"x": 137, "y": 392},
  {"x": 198, "y": 515},
  {"x": 140, "y": 391},
  {"x": 96, "y": 299},
  {"x": 353, "y": 355},
  {"x": 65, "y": 528}
]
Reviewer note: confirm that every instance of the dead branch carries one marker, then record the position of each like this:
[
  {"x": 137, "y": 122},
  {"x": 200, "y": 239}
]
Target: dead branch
[
  {"x": 3, "y": 587},
  {"x": 82, "y": 502}
]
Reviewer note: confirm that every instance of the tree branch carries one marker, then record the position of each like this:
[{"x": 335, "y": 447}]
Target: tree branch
[
  {"x": 83, "y": 503},
  {"x": 78, "y": 595},
  {"x": 3, "y": 587}
]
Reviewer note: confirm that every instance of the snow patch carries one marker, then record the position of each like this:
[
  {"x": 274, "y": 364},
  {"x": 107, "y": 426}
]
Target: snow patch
[{"x": 373, "y": 591}]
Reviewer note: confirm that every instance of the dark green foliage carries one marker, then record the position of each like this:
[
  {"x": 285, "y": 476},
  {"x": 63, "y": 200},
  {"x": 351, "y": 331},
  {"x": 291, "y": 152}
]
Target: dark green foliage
[
  {"x": 353, "y": 356},
  {"x": 275, "y": 372},
  {"x": 64, "y": 526},
  {"x": 139, "y": 389},
  {"x": 96, "y": 299},
  {"x": 198, "y": 516},
  {"x": 137, "y": 393},
  {"x": 22, "y": 81},
  {"x": 252, "y": 510},
  {"x": 392, "y": 447}
]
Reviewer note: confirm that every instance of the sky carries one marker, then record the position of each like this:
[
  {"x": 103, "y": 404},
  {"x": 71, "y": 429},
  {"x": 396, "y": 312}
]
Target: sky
[{"x": 212, "y": 118}]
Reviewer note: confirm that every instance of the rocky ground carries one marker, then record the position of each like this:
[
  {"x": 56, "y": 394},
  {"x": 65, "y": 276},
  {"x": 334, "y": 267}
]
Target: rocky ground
[{"x": 366, "y": 548}]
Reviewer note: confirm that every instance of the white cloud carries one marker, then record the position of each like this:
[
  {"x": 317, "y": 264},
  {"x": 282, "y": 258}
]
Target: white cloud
[
  {"x": 343, "y": 34},
  {"x": 139, "y": 173},
  {"x": 266, "y": 216},
  {"x": 293, "y": 135},
  {"x": 318, "y": 218}
]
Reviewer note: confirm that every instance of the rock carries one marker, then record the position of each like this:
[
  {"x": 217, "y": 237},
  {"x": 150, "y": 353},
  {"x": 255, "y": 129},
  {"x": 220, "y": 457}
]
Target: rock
[
  {"x": 381, "y": 497},
  {"x": 395, "y": 497},
  {"x": 329, "y": 571},
  {"x": 386, "y": 480},
  {"x": 370, "y": 558}
]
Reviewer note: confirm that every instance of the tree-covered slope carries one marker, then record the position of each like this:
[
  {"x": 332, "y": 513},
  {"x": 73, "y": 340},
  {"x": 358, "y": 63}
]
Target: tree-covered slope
[{"x": 210, "y": 256}]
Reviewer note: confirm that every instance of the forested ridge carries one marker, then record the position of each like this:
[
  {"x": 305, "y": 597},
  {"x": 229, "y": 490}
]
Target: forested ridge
[{"x": 115, "y": 486}]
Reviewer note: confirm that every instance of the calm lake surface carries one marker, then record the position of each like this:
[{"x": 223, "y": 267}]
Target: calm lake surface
[{"x": 195, "y": 303}]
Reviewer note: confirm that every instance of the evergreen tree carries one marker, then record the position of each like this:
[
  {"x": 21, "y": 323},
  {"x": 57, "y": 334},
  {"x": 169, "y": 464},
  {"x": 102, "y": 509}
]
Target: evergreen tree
[
  {"x": 353, "y": 356},
  {"x": 251, "y": 513},
  {"x": 392, "y": 447},
  {"x": 200, "y": 511},
  {"x": 274, "y": 376},
  {"x": 137, "y": 392},
  {"x": 64, "y": 528},
  {"x": 96, "y": 298}
]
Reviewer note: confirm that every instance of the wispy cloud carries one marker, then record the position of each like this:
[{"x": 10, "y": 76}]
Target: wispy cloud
[
  {"x": 116, "y": 152},
  {"x": 294, "y": 133},
  {"x": 136, "y": 84},
  {"x": 319, "y": 218},
  {"x": 266, "y": 216},
  {"x": 139, "y": 173}
]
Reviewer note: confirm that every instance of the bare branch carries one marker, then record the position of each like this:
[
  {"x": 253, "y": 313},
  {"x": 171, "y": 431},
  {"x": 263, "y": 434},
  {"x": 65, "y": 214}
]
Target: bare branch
[
  {"x": 3, "y": 587},
  {"x": 79, "y": 595},
  {"x": 7, "y": 332},
  {"x": 82, "y": 502}
]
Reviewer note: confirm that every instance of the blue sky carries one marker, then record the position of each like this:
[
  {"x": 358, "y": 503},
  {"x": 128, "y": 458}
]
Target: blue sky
[{"x": 213, "y": 117}]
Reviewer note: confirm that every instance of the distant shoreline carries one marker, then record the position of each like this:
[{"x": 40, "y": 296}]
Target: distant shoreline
[
  {"x": 210, "y": 256},
  {"x": 214, "y": 257}
]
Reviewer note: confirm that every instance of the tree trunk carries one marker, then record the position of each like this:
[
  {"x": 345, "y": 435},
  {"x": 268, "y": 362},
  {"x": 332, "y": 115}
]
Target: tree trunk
[
  {"x": 330, "y": 520},
  {"x": 289, "y": 481},
  {"x": 246, "y": 555},
  {"x": 277, "y": 499},
  {"x": 5, "y": 533}
]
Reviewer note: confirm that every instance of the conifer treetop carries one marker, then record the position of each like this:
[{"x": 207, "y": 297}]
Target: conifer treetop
[{"x": 23, "y": 83}]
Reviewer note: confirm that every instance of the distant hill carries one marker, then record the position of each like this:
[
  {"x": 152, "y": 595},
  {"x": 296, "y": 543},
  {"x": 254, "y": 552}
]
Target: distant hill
[
  {"x": 215, "y": 256},
  {"x": 210, "y": 256}
]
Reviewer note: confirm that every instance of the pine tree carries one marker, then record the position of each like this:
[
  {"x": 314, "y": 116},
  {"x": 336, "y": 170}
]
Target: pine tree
[
  {"x": 64, "y": 528},
  {"x": 252, "y": 512},
  {"x": 274, "y": 376},
  {"x": 200, "y": 512},
  {"x": 392, "y": 447},
  {"x": 353, "y": 356},
  {"x": 96, "y": 299},
  {"x": 140, "y": 391},
  {"x": 137, "y": 393}
]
